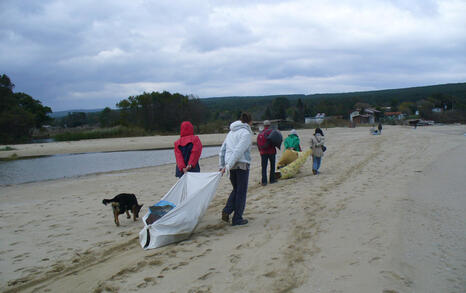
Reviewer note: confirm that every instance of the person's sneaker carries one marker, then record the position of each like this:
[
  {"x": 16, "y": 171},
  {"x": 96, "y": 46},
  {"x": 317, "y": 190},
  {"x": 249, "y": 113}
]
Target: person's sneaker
[
  {"x": 225, "y": 217},
  {"x": 314, "y": 172},
  {"x": 241, "y": 222},
  {"x": 264, "y": 184}
]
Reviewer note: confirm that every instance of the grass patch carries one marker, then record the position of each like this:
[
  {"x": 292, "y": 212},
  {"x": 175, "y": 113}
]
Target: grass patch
[
  {"x": 7, "y": 148},
  {"x": 119, "y": 131},
  {"x": 13, "y": 157}
]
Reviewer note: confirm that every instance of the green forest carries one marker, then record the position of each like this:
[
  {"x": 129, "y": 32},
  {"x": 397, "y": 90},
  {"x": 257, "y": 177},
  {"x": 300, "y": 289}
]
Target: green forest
[
  {"x": 23, "y": 118},
  {"x": 20, "y": 114}
]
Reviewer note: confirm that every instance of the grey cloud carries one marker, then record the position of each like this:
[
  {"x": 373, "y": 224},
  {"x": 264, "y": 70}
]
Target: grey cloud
[{"x": 79, "y": 54}]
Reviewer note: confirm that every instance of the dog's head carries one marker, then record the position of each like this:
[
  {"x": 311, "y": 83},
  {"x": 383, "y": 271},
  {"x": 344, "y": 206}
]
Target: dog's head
[{"x": 138, "y": 208}]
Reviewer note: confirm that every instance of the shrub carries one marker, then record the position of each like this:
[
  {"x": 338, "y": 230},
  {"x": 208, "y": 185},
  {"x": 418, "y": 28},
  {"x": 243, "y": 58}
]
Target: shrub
[{"x": 119, "y": 131}]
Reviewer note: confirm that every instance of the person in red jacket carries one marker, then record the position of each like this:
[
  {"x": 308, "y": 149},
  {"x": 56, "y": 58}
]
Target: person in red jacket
[
  {"x": 267, "y": 152},
  {"x": 188, "y": 149}
]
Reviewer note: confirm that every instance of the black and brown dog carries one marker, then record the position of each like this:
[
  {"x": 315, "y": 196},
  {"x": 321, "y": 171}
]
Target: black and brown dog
[{"x": 124, "y": 202}]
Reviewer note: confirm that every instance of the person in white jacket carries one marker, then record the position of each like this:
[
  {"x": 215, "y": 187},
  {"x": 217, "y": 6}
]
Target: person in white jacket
[{"x": 235, "y": 159}]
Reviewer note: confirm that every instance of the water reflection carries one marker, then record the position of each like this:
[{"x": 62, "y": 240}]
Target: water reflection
[{"x": 60, "y": 166}]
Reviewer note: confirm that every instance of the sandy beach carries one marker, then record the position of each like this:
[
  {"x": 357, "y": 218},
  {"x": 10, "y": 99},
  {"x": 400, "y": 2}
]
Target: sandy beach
[{"x": 387, "y": 214}]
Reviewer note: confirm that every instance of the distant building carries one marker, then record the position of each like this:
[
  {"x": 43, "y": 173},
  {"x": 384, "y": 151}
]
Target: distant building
[
  {"x": 395, "y": 115},
  {"x": 318, "y": 119},
  {"x": 363, "y": 119},
  {"x": 367, "y": 116}
]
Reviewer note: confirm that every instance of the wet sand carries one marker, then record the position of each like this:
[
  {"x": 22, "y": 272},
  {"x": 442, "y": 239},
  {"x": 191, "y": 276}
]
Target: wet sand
[{"x": 372, "y": 221}]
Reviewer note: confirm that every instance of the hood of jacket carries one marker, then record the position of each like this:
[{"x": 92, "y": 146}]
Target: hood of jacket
[
  {"x": 238, "y": 125},
  {"x": 186, "y": 129}
]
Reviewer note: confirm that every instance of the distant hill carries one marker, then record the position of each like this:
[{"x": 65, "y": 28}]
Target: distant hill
[
  {"x": 59, "y": 114},
  {"x": 412, "y": 94},
  {"x": 378, "y": 97}
]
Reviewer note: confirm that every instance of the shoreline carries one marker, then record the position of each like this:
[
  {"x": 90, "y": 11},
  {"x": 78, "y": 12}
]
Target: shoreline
[
  {"x": 80, "y": 153},
  {"x": 102, "y": 145},
  {"x": 98, "y": 172}
]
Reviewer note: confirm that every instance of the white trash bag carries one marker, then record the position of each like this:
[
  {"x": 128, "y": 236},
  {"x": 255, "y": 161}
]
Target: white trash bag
[{"x": 191, "y": 196}]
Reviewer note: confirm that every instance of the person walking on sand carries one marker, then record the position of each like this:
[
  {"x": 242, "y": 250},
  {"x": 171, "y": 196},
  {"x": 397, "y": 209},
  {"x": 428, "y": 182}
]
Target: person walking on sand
[
  {"x": 379, "y": 127},
  {"x": 317, "y": 143},
  {"x": 267, "y": 152},
  {"x": 188, "y": 149},
  {"x": 235, "y": 159},
  {"x": 292, "y": 141}
]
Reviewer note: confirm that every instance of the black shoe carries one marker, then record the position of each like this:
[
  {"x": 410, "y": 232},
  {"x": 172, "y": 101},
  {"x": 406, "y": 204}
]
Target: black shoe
[
  {"x": 272, "y": 182},
  {"x": 264, "y": 184},
  {"x": 225, "y": 217},
  {"x": 240, "y": 222}
]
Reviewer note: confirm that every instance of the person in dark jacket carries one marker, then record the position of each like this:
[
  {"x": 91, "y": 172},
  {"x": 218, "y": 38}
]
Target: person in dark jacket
[
  {"x": 267, "y": 152},
  {"x": 379, "y": 127},
  {"x": 188, "y": 149}
]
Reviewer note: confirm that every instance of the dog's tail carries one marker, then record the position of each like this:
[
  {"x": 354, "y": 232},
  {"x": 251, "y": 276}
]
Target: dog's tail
[{"x": 106, "y": 201}]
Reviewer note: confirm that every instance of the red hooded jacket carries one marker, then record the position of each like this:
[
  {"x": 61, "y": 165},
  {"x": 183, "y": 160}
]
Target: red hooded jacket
[{"x": 187, "y": 136}]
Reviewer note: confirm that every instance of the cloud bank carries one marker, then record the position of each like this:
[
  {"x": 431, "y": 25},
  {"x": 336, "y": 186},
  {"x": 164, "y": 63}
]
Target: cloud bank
[{"x": 87, "y": 54}]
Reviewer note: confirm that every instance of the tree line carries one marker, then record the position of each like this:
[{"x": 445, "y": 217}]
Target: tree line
[
  {"x": 19, "y": 113},
  {"x": 163, "y": 112}
]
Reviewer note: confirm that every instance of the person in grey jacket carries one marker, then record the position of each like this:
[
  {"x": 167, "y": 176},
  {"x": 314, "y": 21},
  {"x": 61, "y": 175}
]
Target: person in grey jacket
[
  {"x": 317, "y": 142},
  {"x": 235, "y": 159}
]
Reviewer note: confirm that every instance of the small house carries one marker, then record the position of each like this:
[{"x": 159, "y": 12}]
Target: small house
[{"x": 394, "y": 115}]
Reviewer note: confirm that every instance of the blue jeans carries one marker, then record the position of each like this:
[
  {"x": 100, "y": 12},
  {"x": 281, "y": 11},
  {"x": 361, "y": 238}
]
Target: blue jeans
[
  {"x": 237, "y": 199},
  {"x": 264, "y": 160},
  {"x": 316, "y": 162}
]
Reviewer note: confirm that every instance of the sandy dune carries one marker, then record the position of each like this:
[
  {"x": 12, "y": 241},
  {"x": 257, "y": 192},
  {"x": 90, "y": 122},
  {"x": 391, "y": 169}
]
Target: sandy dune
[{"x": 387, "y": 214}]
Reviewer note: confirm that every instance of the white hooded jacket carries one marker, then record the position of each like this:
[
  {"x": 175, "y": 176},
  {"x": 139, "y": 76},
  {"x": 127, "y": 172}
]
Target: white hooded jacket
[{"x": 237, "y": 145}]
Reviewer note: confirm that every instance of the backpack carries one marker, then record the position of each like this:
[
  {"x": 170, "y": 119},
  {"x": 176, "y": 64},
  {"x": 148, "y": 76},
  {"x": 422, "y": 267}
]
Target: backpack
[
  {"x": 275, "y": 138},
  {"x": 262, "y": 142}
]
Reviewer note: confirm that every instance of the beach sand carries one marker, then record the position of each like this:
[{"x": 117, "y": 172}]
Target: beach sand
[{"x": 387, "y": 214}]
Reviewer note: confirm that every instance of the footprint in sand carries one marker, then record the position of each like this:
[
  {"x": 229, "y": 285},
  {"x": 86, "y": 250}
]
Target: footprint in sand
[
  {"x": 206, "y": 276},
  {"x": 147, "y": 281},
  {"x": 234, "y": 258},
  {"x": 271, "y": 274},
  {"x": 374, "y": 259},
  {"x": 201, "y": 289},
  {"x": 181, "y": 264},
  {"x": 155, "y": 262}
]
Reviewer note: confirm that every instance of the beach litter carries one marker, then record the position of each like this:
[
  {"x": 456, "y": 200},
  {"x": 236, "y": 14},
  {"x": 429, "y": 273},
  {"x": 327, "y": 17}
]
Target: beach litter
[{"x": 184, "y": 204}]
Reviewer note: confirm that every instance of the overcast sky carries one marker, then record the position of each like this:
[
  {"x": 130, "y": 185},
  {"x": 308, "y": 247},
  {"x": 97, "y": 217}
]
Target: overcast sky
[{"x": 92, "y": 54}]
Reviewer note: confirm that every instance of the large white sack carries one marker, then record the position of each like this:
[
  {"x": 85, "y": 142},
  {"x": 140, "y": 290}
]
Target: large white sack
[{"x": 191, "y": 194}]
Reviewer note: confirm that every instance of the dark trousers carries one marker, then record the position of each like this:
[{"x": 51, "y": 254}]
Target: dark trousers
[
  {"x": 237, "y": 199},
  {"x": 264, "y": 160}
]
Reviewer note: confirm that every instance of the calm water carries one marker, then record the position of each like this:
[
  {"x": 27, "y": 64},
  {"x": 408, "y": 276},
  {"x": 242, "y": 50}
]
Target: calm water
[{"x": 60, "y": 166}]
